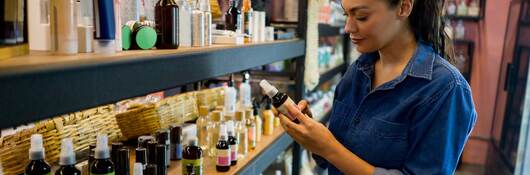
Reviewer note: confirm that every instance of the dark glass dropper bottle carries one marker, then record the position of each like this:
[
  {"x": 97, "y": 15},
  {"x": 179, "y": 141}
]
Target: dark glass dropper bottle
[
  {"x": 232, "y": 16},
  {"x": 167, "y": 24},
  {"x": 37, "y": 165}
]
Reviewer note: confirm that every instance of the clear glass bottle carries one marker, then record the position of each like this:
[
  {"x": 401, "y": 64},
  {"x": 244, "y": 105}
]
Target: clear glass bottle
[
  {"x": 251, "y": 130},
  {"x": 233, "y": 142},
  {"x": 230, "y": 99},
  {"x": 268, "y": 117},
  {"x": 473, "y": 9},
  {"x": 258, "y": 122},
  {"x": 202, "y": 127},
  {"x": 241, "y": 129},
  {"x": 213, "y": 131},
  {"x": 223, "y": 151}
]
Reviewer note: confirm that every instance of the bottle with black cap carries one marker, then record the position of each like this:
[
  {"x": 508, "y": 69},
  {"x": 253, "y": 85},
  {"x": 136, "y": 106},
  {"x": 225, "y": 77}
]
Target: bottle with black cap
[
  {"x": 189, "y": 170},
  {"x": 141, "y": 157},
  {"x": 91, "y": 150},
  {"x": 151, "y": 158},
  {"x": 37, "y": 164},
  {"x": 161, "y": 154},
  {"x": 143, "y": 140},
  {"x": 67, "y": 159},
  {"x": 192, "y": 156},
  {"x": 230, "y": 99},
  {"x": 102, "y": 165},
  {"x": 176, "y": 145},
  {"x": 279, "y": 100},
  {"x": 163, "y": 139},
  {"x": 115, "y": 147},
  {"x": 232, "y": 141},
  {"x": 122, "y": 165}
]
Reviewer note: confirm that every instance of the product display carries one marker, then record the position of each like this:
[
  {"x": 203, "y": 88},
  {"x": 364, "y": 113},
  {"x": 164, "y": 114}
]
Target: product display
[
  {"x": 118, "y": 23},
  {"x": 252, "y": 133},
  {"x": 102, "y": 163},
  {"x": 233, "y": 17},
  {"x": 245, "y": 92},
  {"x": 451, "y": 7},
  {"x": 241, "y": 129},
  {"x": 167, "y": 24},
  {"x": 37, "y": 164},
  {"x": 192, "y": 156},
  {"x": 198, "y": 26},
  {"x": 279, "y": 100},
  {"x": 258, "y": 121},
  {"x": 247, "y": 12},
  {"x": 462, "y": 8}
]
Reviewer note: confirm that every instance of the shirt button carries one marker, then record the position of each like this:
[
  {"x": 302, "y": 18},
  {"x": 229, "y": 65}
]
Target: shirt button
[{"x": 357, "y": 120}]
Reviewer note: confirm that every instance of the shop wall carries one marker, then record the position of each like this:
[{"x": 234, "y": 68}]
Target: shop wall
[{"x": 485, "y": 76}]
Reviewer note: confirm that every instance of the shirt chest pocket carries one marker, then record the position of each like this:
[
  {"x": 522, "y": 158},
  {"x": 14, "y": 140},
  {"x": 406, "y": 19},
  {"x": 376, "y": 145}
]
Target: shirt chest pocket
[
  {"x": 385, "y": 143},
  {"x": 338, "y": 119}
]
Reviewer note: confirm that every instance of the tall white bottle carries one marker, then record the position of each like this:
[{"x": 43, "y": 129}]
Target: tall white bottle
[
  {"x": 63, "y": 23},
  {"x": 230, "y": 99},
  {"x": 184, "y": 23},
  {"x": 245, "y": 92},
  {"x": 197, "y": 39},
  {"x": 117, "y": 18},
  {"x": 206, "y": 9},
  {"x": 39, "y": 25}
]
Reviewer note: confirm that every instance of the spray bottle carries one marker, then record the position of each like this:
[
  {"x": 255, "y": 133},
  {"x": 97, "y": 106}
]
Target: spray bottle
[{"x": 37, "y": 164}]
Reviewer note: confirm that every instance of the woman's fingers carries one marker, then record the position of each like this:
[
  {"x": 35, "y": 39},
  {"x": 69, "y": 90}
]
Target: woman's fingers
[
  {"x": 302, "y": 105},
  {"x": 288, "y": 124}
]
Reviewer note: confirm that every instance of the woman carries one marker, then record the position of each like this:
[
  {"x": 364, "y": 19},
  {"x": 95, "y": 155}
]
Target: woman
[{"x": 401, "y": 108}]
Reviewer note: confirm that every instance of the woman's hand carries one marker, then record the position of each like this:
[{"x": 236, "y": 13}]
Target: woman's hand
[{"x": 311, "y": 134}]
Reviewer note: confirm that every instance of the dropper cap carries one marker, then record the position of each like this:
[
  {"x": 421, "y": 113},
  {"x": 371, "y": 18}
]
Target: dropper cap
[
  {"x": 203, "y": 110},
  {"x": 270, "y": 90},
  {"x": 223, "y": 134},
  {"x": 36, "y": 151},
  {"x": 102, "y": 147},
  {"x": 268, "y": 104},
  {"x": 231, "y": 81},
  {"x": 246, "y": 76},
  {"x": 255, "y": 107},
  {"x": 240, "y": 115},
  {"x": 230, "y": 128},
  {"x": 67, "y": 156}
]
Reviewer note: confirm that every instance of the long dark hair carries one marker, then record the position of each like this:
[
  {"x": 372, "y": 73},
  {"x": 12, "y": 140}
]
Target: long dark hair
[{"x": 427, "y": 23}]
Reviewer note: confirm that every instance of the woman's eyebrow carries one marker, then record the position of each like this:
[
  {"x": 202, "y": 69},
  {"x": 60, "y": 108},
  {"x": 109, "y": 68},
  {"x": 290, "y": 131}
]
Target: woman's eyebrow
[{"x": 354, "y": 9}]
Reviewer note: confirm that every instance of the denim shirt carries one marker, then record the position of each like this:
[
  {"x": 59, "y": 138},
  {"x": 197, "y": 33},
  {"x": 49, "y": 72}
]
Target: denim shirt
[{"x": 417, "y": 123}]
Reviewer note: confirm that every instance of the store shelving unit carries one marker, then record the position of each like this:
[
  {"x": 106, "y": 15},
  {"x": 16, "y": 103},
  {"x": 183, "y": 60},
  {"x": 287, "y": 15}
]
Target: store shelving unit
[
  {"x": 328, "y": 30},
  {"x": 30, "y": 84},
  {"x": 470, "y": 52}
]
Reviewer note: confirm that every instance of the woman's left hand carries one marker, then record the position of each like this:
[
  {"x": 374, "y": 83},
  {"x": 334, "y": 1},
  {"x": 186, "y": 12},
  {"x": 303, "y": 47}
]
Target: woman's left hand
[{"x": 310, "y": 133}]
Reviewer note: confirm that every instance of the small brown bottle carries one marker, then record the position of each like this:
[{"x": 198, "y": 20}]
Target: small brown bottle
[{"x": 192, "y": 156}]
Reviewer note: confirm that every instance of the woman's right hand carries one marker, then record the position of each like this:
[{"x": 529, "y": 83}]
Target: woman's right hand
[{"x": 303, "y": 105}]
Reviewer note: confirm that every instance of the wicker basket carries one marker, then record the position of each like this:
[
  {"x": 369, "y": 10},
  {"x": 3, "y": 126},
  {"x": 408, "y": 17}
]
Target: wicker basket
[
  {"x": 14, "y": 149},
  {"x": 138, "y": 120},
  {"x": 177, "y": 109},
  {"x": 210, "y": 97}
]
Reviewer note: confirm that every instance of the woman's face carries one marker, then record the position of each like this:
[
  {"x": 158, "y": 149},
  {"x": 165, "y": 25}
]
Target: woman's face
[{"x": 372, "y": 24}]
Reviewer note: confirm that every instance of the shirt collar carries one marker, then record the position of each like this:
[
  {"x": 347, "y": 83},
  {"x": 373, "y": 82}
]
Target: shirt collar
[{"x": 419, "y": 66}]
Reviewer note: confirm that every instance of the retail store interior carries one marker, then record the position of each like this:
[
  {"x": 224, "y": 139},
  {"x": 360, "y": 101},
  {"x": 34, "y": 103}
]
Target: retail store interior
[{"x": 156, "y": 87}]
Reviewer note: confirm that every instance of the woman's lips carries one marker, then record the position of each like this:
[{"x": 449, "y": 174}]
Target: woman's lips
[{"x": 356, "y": 40}]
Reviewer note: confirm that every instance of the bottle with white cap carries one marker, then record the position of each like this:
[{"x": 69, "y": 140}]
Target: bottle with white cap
[
  {"x": 102, "y": 165},
  {"x": 67, "y": 159},
  {"x": 37, "y": 164},
  {"x": 223, "y": 151},
  {"x": 280, "y": 100}
]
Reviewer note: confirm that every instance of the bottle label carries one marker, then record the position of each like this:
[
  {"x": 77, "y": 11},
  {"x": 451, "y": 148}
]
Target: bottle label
[
  {"x": 233, "y": 152},
  {"x": 284, "y": 108},
  {"x": 248, "y": 23},
  {"x": 223, "y": 157},
  {"x": 196, "y": 163},
  {"x": 111, "y": 173}
]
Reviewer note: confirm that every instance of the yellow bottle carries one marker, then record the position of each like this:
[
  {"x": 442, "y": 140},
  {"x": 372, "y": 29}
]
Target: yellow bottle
[
  {"x": 258, "y": 122},
  {"x": 268, "y": 117}
]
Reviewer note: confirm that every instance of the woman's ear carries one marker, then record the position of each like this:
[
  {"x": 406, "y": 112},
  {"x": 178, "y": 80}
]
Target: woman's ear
[{"x": 405, "y": 8}]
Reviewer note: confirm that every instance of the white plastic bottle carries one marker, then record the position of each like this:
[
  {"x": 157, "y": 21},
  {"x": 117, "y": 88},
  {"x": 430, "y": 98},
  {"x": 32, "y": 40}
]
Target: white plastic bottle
[
  {"x": 245, "y": 92},
  {"x": 206, "y": 9},
  {"x": 230, "y": 99},
  {"x": 39, "y": 25},
  {"x": 184, "y": 23},
  {"x": 63, "y": 27},
  {"x": 460, "y": 30},
  {"x": 197, "y": 26}
]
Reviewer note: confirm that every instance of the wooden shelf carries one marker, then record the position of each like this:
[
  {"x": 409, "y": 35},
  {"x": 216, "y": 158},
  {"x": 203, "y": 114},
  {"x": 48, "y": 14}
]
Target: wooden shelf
[
  {"x": 42, "y": 85},
  {"x": 465, "y": 18},
  {"x": 254, "y": 163}
]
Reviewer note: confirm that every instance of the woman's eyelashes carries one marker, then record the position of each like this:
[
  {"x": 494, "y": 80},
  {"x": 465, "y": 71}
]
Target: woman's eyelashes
[{"x": 361, "y": 18}]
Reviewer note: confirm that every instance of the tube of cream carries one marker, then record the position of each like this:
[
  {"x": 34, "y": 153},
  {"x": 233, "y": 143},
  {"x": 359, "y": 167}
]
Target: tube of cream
[{"x": 105, "y": 27}]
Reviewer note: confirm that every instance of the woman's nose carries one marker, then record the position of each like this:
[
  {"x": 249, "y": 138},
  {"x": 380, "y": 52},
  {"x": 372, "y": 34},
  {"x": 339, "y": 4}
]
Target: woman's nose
[{"x": 351, "y": 26}]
